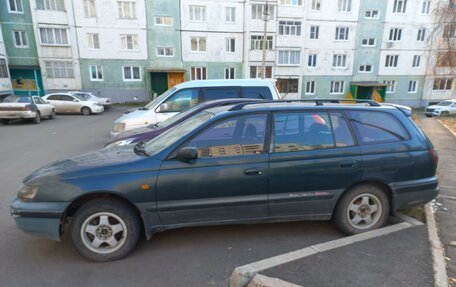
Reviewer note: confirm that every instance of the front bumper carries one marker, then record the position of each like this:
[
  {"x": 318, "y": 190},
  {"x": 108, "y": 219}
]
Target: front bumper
[
  {"x": 413, "y": 192},
  {"x": 432, "y": 113},
  {"x": 42, "y": 219}
]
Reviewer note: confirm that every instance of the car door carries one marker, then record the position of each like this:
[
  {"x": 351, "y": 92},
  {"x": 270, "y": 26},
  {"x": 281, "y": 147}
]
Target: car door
[
  {"x": 228, "y": 181},
  {"x": 44, "y": 108},
  {"x": 176, "y": 103},
  {"x": 71, "y": 104},
  {"x": 56, "y": 101},
  {"x": 314, "y": 158}
]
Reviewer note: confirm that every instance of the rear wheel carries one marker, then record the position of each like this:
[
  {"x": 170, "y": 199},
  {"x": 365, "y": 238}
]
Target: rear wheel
[
  {"x": 362, "y": 208},
  {"x": 86, "y": 111},
  {"x": 5, "y": 121},
  {"x": 52, "y": 116},
  {"x": 37, "y": 118},
  {"x": 104, "y": 230}
]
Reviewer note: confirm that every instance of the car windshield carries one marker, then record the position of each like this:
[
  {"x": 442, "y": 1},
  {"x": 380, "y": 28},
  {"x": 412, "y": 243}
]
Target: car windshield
[
  {"x": 159, "y": 98},
  {"x": 81, "y": 98},
  {"x": 169, "y": 137},
  {"x": 444, "y": 103},
  {"x": 177, "y": 117},
  {"x": 16, "y": 99}
]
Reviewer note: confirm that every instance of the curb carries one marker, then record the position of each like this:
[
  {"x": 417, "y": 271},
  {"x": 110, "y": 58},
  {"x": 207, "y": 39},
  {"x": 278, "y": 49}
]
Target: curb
[
  {"x": 243, "y": 275},
  {"x": 438, "y": 257},
  {"x": 265, "y": 281}
]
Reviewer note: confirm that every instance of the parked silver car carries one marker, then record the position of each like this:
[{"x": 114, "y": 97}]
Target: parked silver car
[
  {"x": 67, "y": 103},
  {"x": 26, "y": 107},
  {"x": 106, "y": 102}
]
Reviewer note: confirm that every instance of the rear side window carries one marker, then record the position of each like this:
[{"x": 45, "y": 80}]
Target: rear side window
[
  {"x": 67, "y": 98},
  {"x": 376, "y": 127},
  {"x": 211, "y": 94},
  {"x": 302, "y": 131},
  {"x": 342, "y": 133},
  {"x": 257, "y": 93},
  {"x": 55, "y": 98}
]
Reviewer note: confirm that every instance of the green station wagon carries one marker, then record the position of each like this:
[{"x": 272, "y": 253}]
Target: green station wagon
[{"x": 246, "y": 163}]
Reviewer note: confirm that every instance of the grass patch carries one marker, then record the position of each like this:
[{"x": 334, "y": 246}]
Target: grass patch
[
  {"x": 132, "y": 104},
  {"x": 416, "y": 212}
]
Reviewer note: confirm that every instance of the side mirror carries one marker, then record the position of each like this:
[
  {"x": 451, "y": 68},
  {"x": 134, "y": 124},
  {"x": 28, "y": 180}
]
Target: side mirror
[{"x": 187, "y": 154}]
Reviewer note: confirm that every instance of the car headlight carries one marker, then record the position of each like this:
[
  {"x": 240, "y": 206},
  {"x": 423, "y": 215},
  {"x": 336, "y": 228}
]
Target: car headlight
[
  {"x": 119, "y": 127},
  {"x": 27, "y": 192},
  {"x": 121, "y": 143}
]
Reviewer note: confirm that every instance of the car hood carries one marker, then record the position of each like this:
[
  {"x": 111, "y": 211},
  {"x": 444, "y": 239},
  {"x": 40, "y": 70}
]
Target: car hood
[
  {"x": 435, "y": 107},
  {"x": 139, "y": 114},
  {"x": 139, "y": 134},
  {"x": 103, "y": 161}
]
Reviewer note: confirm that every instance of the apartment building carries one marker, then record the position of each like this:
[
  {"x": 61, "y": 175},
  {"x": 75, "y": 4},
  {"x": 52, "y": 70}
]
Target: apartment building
[{"x": 5, "y": 80}]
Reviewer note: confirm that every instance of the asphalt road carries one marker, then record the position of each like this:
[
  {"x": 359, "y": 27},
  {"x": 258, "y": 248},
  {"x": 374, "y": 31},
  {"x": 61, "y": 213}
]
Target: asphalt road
[{"x": 203, "y": 256}]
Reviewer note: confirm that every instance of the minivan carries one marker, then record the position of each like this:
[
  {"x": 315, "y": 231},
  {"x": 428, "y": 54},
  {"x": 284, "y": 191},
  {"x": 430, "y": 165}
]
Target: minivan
[{"x": 188, "y": 94}]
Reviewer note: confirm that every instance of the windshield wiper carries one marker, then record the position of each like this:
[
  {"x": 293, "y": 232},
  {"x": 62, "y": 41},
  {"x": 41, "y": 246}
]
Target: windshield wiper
[{"x": 139, "y": 148}]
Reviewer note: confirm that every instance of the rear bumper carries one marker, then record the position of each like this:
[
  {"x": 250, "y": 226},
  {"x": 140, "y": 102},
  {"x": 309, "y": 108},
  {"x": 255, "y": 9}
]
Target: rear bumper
[
  {"x": 42, "y": 219},
  {"x": 17, "y": 115},
  {"x": 97, "y": 109},
  {"x": 412, "y": 192}
]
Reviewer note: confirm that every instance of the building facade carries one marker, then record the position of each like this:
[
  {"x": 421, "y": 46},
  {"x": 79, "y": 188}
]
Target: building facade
[
  {"x": 397, "y": 50},
  {"x": 5, "y": 80}
]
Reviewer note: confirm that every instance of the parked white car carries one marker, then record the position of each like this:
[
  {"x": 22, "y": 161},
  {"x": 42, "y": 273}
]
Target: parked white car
[
  {"x": 444, "y": 108},
  {"x": 188, "y": 94},
  {"x": 67, "y": 103},
  {"x": 106, "y": 102},
  {"x": 26, "y": 107}
]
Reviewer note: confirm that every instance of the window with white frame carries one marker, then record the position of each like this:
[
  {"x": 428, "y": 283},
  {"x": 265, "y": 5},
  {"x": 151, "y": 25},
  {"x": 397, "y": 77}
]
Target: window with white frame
[
  {"x": 198, "y": 73},
  {"x": 96, "y": 72},
  {"x": 93, "y": 41},
  {"x": 337, "y": 87},
  {"x": 365, "y": 69},
  {"x": 257, "y": 72},
  {"x": 400, "y": 6},
  {"x": 256, "y": 42},
  {"x": 230, "y": 14},
  {"x": 290, "y": 28},
  {"x": 129, "y": 42},
  {"x": 416, "y": 61},
  {"x": 259, "y": 11},
  {"x": 289, "y": 57},
  {"x": 371, "y": 14},
  {"x": 426, "y": 7},
  {"x": 421, "y": 34},
  {"x": 413, "y": 86},
  {"x": 368, "y": 42},
  {"x": 314, "y": 32},
  {"x": 449, "y": 31},
  {"x": 391, "y": 61},
  {"x": 342, "y": 33},
  {"x": 165, "y": 52},
  {"x": 344, "y": 5},
  {"x": 197, "y": 13},
  {"x": 291, "y": 2},
  {"x": 20, "y": 39},
  {"x": 316, "y": 5},
  {"x": 89, "y": 8},
  {"x": 442, "y": 84},
  {"x": 54, "y": 5},
  {"x": 127, "y": 9},
  {"x": 395, "y": 34},
  {"x": 163, "y": 21},
  {"x": 131, "y": 73},
  {"x": 339, "y": 61},
  {"x": 230, "y": 45},
  {"x": 310, "y": 88},
  {"x": 59, "y": 69},
  {"x": 198, "y": 44},
  {"x": 312, "y": 60},
  {"x": 390, "y": 86},
  {"x": 54, "y": 36},
  {"x": 3, "y": 69},
  {"x": 229, "y": 73},
  {"x": 15, "y": 6}
]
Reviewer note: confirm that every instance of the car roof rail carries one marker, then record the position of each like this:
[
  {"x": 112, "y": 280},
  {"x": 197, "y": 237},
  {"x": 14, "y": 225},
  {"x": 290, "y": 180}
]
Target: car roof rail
[{"x": 318, "y": 102}]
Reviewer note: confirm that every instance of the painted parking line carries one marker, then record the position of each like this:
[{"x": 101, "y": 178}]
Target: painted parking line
[{"x": 243, "y": 275}]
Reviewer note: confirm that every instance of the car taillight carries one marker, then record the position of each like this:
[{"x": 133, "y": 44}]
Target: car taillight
[
  {"x": 435, "y": 156},
  {"x": 28, "y": 108}
]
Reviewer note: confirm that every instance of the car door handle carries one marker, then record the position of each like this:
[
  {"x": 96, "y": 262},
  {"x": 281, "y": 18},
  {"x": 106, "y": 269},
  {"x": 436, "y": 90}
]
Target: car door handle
[
  {"x": 253, "y": 171},
  {"x": 348, "y": 164}
]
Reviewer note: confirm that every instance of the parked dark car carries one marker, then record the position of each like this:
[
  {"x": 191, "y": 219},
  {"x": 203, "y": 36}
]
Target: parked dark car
[
  {"x": 251, "y": 162},
  {"x": 151, "y": 131}
]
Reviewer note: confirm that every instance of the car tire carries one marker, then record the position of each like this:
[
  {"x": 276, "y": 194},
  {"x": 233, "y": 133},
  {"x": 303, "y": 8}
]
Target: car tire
[
  {"x": 362, "y": 208},
  {"x": 86, "y": 111},
  {"x": 37, "y": 118},
  {"x": 428, "y": 116},
  {"x": 52, "y": 116},
  {"x": 104, "y": 230},
  {"x": 5, "y": 121}
]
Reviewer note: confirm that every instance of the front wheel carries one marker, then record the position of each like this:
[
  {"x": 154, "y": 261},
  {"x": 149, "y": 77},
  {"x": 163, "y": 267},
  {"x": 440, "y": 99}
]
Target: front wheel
[
  {"x": 363, "y": 208},
  {"x": 104, "y": 230},
  {"x": 5, "y": 121},
  {"x": 86, "y": 111}
]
